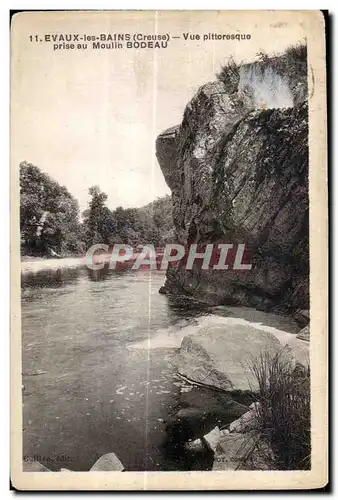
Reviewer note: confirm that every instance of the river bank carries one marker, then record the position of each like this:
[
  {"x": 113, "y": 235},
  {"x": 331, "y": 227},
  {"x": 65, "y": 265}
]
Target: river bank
[{"x": 36, "y": 264}]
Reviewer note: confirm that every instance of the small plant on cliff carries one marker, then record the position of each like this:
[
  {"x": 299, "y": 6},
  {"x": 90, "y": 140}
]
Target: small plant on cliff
[
  {"x": 262, "y": 56},
  {"x": 229, "y": 75},
  {"x": 283, "y": 414},
  {"x": 297, "y": 53},
  {"x": 294, "y": 61}
]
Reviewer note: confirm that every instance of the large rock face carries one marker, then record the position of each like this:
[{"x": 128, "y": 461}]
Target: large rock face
[{"x": 240, "y": 175}]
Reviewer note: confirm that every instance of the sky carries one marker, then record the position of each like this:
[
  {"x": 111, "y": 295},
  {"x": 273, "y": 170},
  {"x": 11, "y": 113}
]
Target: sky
[{"x": 91, "y": 117}]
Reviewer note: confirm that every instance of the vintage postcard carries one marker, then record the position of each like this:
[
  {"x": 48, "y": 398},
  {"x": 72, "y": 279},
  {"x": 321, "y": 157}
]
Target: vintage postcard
[{"x": 169, "y": 250}]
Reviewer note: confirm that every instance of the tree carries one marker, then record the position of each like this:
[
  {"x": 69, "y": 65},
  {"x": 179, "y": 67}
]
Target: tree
[
  {"x": 49, "y": 214},
  {"x": 49, "y": 218},
  {"x": 98, "y": 220},
  {"x": 132, "y": 226}
]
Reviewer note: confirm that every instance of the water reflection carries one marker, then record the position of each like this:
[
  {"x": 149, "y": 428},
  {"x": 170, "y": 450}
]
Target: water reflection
[
  {"x": 82, "y": 383},
  {"x": 180, "y": 307},
  {"x": 106, "y": 273},
  {"x": 44, "y": 278},
  {"x": 87, "y": 390}
]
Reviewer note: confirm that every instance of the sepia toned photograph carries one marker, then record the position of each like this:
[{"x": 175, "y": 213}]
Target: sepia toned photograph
[{"x": 169, "y": 250}]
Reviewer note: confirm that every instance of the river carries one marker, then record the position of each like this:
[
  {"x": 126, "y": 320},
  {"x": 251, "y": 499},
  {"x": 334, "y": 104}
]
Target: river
[
  {"x": 98, "y": 377},
  {"x": 87, "y": 390}
]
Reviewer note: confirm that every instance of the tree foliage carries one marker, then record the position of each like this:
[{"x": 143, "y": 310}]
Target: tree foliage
[
  {"x": 49, "y": 218},
  {"x": 133, "y": 226},
  {"x": 49, "y": 214}
]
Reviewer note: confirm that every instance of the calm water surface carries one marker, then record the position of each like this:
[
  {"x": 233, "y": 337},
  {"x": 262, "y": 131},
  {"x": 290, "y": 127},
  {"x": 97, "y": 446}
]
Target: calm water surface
[{"x": 87, "y": 391}]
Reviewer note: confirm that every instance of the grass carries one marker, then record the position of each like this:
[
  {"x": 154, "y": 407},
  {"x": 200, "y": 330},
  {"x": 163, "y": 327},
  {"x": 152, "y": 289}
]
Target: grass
[
  {"x": 294, "y": 57},
  {"x": 297, "y": 53},
  {"x": 229, "y": 75},
  {"x": 292, "y": 63},
  {"x": 283, "y": 416}
]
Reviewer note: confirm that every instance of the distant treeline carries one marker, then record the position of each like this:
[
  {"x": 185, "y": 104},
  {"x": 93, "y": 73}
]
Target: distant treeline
[{"x": 50, "y": 218}]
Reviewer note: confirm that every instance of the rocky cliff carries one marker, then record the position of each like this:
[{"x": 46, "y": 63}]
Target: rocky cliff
[{"x": 237, "y": 166}]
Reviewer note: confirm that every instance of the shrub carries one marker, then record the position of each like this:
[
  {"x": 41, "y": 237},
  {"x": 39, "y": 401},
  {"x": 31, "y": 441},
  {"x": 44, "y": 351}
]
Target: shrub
[
  {"x": 291, "y": 64},
  {"x": 230, "y": 76},
  {"x": 284, "y": 412},
  {"x": 297, "y": 53}
]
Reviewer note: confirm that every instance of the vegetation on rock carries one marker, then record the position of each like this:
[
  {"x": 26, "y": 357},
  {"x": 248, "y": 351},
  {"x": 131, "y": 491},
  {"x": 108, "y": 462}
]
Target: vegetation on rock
[
  {"x": 293, "y": 63},
  {"x": 283, "y": 415}
]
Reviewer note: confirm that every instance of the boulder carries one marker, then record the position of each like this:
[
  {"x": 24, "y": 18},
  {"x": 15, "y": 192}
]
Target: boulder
[
  {"x": 188, "y": 424},
  {"x": 242, "y": 451},
  {"x": 302, "y": 316},
  {"x": 224, "y": 432},
  {"x": 219, "y": 356},
  {"x": 195, "y": 446},
  {"x": 233, "y": 450},
  {"x": 304, "y": 334},
  {"x": 247, "y": 421},
  {"x": 299, "y": 351},
  {"x": 200, "y": 410},
  {"x": 213, "y": 438},
  {"x": 108, "y": 462}
]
